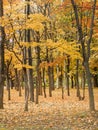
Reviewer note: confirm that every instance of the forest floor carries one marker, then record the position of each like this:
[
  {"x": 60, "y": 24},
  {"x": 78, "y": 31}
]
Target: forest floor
[{"x": 52, "y": 113}]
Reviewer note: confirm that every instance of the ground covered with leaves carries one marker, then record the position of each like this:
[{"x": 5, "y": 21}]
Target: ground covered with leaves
[{"x": 52, "y": 113}]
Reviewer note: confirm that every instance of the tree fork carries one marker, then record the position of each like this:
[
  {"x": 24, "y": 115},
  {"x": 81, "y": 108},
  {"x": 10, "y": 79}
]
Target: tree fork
[{"x": 85, "y": 54}]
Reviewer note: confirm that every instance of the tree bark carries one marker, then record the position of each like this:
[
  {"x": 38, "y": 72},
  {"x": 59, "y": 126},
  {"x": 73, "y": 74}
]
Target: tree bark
[
  {"x": 8, "y": 86},
  {"x": 38, "y": 66},
  {"x": 16, "y": 80},
  {"x": 50, "y": 83},
  {"x": 77, "y": 79},
  {"x": 26, "y": 88},
  {"x": 95, "y": 79},
  {"x": 72, "y": 82},
  {"x": 83, "y": 83},
  {"x": 67, "y": 75},
  {"x": 86, "y": 53},
  {"x": 44, "y": 83},
  {"x": 25, "y": 80},
  {"x": 30, "y": 71},
  {"x": 2, "y": 40}
]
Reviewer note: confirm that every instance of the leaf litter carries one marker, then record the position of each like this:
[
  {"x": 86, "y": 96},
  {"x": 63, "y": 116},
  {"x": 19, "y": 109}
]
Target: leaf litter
[{"x": 52, "y": 113}]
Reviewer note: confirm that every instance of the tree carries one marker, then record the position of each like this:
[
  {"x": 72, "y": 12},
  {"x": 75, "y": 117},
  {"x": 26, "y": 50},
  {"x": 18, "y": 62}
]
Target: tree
[
  {"x": 2, "y": 40},
  {"x": 86, "y": 53}
]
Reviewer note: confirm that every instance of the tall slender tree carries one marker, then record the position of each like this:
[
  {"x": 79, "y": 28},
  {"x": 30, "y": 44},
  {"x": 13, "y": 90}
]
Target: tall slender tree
[
  {"x": 30, "y": 71},
  {"x": 2, "y": 40},
  {"x": 86, "y": 51}
]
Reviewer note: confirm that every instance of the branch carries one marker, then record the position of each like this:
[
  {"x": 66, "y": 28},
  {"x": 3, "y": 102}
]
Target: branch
[
  {"x": 81, "y": 40},
  {"x": 91, "y": 28},
  {"x": 16, "y": 56}
]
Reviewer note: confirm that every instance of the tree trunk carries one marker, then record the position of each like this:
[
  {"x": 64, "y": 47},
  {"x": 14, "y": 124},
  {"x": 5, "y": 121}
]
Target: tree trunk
[
  {"x": 83, "y": 83},
  {"x": 72, "y": 82},
  {"x": 77, "y": 79},
  {"x": 8, "y": 86},
  {"x": 44, "y": 83},
  {"x": 19, "y": 78},
  {"x": 40, "y": 84},
  {"x": 90, "y": 88},
  {"x": 11, "y": 83},
  {"x": 60, "y": 78},
  {"x": 38, "y": 64},
  {"x": 26, "y": 88},
  {"x": 95, "y": 78},
  {"x": 38, "y": 78},
  {"x": 52, "y": 78},
  {"x": 37, "y": 91},
  {"x": 62, "y": 82},
  {"x": 16, "y": 80},
  {"x": 50, "y": 83},
  {"x": 67, "y": 75},
  {"x": 2, "y": 40},
  {"x": 31, "y": 84},
  {"x": 30, "y": 71},
  {"x": 25, "y": 77},
  {"x": 86, "y": 53}
]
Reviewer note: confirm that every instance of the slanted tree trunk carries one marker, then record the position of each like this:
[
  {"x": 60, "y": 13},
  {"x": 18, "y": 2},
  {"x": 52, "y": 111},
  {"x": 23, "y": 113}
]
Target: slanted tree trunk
[
  {"x": 2, "y": 40},
  {"x": 86, "y": 50}
]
